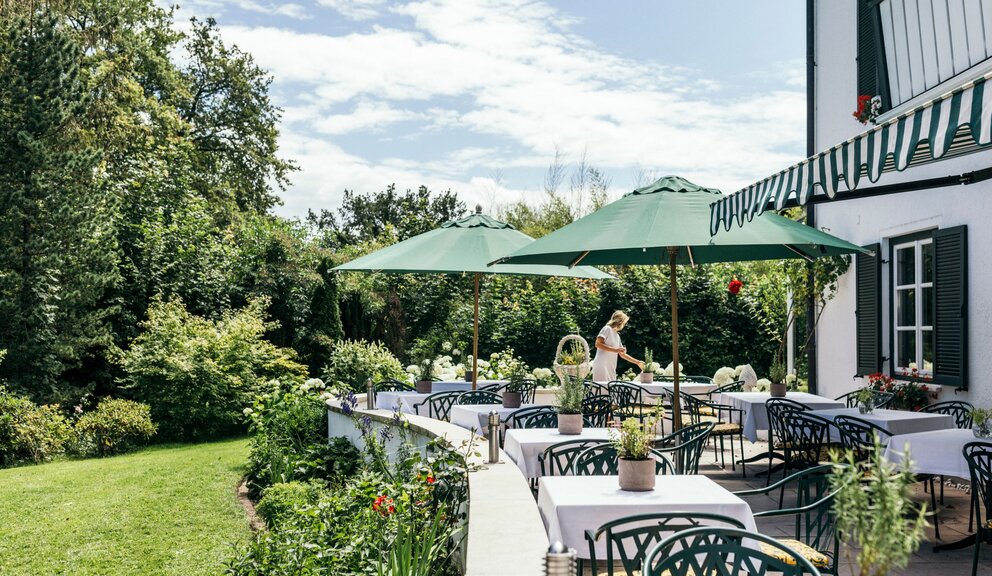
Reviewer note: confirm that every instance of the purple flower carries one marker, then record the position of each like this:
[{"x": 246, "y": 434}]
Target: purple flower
[
  {"x": 365, "y": 425},
  {"x": 385, "y": 434},
  {"x": 397, "y": 417},
  {"x": 348, "y": 402}
]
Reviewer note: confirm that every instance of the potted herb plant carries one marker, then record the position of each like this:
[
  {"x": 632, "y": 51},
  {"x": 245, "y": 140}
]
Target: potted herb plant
[
  {"x": 776, "y": 373},
  {"x": 569, "y": 408},
  {"x": 981, "y": 422},
  {"x": 512, "y": 392},
  {"x": 633, "y": 445},
  {"x": 647, "y": 373},
  {"x": 426, "y": 381}
]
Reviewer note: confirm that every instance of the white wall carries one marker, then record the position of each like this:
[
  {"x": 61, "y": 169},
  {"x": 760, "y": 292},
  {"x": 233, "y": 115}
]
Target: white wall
[{"x": 871, "y": 220}]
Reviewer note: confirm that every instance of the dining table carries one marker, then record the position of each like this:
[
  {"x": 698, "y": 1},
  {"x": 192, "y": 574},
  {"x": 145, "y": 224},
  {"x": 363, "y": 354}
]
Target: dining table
[
  {"x": 406, "y": 399},
  {"x": 690, "y": 388},
  {"x": 570, "y": 505},
  {"x": 524, "y": 445},
  {"x": 476, "y": 416},
  {"x": 895, "y": 422},
  {"x": 931, "y": 452},
  {"x": 756, "y": 415}
]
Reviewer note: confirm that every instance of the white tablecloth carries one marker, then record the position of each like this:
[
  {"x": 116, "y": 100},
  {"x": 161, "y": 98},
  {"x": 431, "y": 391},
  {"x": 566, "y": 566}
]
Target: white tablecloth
[
  {"x": 406, "y": 400},
  {"x": 461, "y": 385},
  {"x": 933, "y": 452},
  {"x": 894, "y": 422},
  {"x": 524, "y": 445},
  {"x": 570, "y": 505},
  {"x": 476, "y": 416},
  {"x": 690, "y": 388},
  {"x": 755, "y": 414}
]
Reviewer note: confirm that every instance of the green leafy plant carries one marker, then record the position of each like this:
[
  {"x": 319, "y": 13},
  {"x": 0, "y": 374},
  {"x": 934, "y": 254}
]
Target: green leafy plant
[
  {"x": 518, "y": 377},
  {"x": 875, "y": 511},
  {"x": 776, "y": 373},
  {"x": 353, "y": 362},
  {"x": 981, "y": 416},
  {"x": 634, "y": 440},
  {"x": 116, "y": 426},
  {"x": 570, "y": 396},
  {"x": 649, "y": 364},
  {"x": 866, "y": 397},
  {"x": 281, "y": 500},
  {"x": 572, "y": 354},
  {"x": 427, "y": 370},
  {"x": 28, "y": 432}
]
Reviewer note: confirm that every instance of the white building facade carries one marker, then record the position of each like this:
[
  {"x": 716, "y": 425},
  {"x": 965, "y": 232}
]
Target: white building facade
[{"x": 921, "y": 300}]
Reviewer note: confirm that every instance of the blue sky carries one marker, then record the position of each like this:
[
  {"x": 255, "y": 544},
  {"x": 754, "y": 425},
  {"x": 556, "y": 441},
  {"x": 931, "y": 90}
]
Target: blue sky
[{"x": 479, "y": 95}]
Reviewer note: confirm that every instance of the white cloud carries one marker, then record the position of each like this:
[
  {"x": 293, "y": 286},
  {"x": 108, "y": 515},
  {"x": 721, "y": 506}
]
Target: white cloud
[
  {"x": 205, "y": 8},
  {"x": 510, "y": 71}
]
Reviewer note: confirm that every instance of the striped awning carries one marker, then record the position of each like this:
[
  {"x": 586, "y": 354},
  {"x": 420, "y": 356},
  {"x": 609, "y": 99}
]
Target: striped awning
[{"x": 956, "y": 123}]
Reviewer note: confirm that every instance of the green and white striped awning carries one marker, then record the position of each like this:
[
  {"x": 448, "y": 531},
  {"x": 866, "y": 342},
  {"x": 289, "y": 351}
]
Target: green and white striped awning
[{"x": 956, "y": 123}]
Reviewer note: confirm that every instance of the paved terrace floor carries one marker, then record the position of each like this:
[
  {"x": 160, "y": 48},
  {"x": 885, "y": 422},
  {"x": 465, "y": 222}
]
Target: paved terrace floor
[{"x": 953, "y": 520}]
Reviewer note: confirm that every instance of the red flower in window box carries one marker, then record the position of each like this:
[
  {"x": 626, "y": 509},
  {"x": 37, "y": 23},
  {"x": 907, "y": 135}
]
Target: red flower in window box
[
  {"x": 869, "y": 107},
  {"x": 735, "y": 286}
]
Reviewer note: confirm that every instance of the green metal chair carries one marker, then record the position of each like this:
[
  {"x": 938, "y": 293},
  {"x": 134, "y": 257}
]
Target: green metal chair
[
  {"x": 632, "y": 537},
  {"x": 547, "y": 418},
  {"x": 595, "y": 389},
  {"x": 438, "y": 405},
  {"x": 596, "y": 411},
  {"x": 735, "y": 386},
  {"x": 627, "y": 400},
  {"x": 979, "y": 458},
  {"x": 497, "y": 388},
  {"x": 722, "y": 552},
  {"x": 602, "y": 460},
  {"x": 723, "y": 418},
  {"x": 685, "y": 446},
  {"x": 519, "y": 417},
  {"x": 559, "y": 459},
  {"x": 776, "y": 409},
  {"x": 961, "y": 412},
  {"x": 815, "y": 536},
  {"x": 389, "y": 385},
  {"x": 480, "y": 397},
  {"x": 528, "y": 389},
  {"x": 881, "y": 399}
]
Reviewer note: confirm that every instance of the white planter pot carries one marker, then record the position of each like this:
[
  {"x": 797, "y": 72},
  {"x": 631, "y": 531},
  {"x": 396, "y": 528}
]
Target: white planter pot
[
  {"x": 570, "y": 424},
  {"x": 647, "y": 377},
  {"x": 637, "y": 475}
]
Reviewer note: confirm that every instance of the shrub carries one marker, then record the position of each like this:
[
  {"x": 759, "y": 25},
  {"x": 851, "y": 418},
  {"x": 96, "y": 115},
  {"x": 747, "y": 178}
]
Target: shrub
[
  {"x": 281, "y": 500},
  {"x": 28, "y": 432},
  {"x": 354, "y": 361},
  {"x": 198, "y": 375},
  {"x": 115, "y": 426}
]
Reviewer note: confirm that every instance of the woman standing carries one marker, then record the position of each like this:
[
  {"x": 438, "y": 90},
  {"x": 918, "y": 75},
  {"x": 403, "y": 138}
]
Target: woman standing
[{"x": 608, "y": 347}]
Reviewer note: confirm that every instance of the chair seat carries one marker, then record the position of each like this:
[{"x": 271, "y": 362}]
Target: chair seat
[
  {"x": 724, "y": 428},
  {"x": 816, "y": 558}
]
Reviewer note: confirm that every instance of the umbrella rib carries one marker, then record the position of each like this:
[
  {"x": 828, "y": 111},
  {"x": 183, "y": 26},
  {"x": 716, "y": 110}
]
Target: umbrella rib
[
  {"x": 575, "y": 262},
  {"x": 801, "y": 254}
]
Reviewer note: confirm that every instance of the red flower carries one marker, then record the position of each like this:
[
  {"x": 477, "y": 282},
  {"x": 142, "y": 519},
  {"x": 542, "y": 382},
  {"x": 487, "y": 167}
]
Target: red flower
[
  {"x": 383, "y": 505},
  {"x": 430, "y": 479},
  {"x": 735, "y": 286}
]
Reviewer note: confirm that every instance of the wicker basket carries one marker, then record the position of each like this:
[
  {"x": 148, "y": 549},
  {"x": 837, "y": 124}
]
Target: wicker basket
[{"x": 578, "y": 371}]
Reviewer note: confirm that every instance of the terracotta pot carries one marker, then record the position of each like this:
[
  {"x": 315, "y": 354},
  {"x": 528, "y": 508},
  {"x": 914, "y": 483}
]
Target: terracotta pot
[
  {"x": 424, "y": 386},
  {"x": 778, "y": 390},
  {"x": 570, "y": 424},
  {"x": 647, "y": 377},
  {"x": 637, "y": 475},
  {"x": 511, "y": 399}
]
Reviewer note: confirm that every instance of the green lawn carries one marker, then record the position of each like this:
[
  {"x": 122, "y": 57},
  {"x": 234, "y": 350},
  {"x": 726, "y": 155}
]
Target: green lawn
[{"x": 164, "y": 510}]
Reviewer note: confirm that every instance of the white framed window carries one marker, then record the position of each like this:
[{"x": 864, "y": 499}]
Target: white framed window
[{"x": 912, "y": 272}]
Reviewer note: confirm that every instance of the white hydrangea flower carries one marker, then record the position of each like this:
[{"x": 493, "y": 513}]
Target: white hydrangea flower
[
  {"x": 413, "y": 369},
  {"x": 763, "y": 385},
  {"x": 456, "y": 352},
  {"x": 726, "y": 375},
  {"x": 446, "y": 346},
  {"x": 790, "y": 379},
  {"x": 248, "y": 411},
  {"x": 670, "y": 369},
  {"x": 738, "y": 370}
]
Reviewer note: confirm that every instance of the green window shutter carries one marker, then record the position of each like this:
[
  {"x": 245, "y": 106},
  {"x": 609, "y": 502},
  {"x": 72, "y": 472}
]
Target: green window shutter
[
  {"x": 872, "y": 73},
  {"x": 868, "y": 279},
  {"x": 950, "y": 267}
]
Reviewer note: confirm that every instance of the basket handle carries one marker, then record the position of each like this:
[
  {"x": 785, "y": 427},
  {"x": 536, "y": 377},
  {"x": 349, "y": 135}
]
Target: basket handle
[{"x": 561, "y": 344}]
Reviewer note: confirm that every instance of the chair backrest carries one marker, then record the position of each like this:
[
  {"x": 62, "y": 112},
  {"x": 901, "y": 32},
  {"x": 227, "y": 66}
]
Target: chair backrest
[
  {"x": 545, "y": 417},
  {"x": 632, "y": 537},
  {"x": 735, "y": 386},
  {"x": 391, "y": 385},
  {"x": 596, "y": 411},
  {"x": 978, "y": 455},
  {"x": 519, "y": 417},
  {"x": 776, "y": 409},
  {"x": 957, "y": 409},
  {"x": 627, "y": 399},
  {"x": 438, "y": 405},
  {"x": 528, "y": 389},
  {"x": 850, "y": 399},
  {"x": 685, "y": 446},
  {"x": 602, "y": 460},
  {"x": 479, "y": 397},
  {"x": 858, "y": 435},
  {"x": 559, "y": 459},
  {"x": 712, "y": 550},
  {"x": 595, "y": 389},
  {"x": 883, "y": 399},
  {"x": 816, "y": 524},
  {"x": 806, "y": 436},
  {"x": 685, "y": 378},
  {"x": 497, "y": 387}
]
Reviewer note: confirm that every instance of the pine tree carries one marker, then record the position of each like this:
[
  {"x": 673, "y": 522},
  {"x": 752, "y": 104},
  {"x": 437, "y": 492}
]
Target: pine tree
[{"x": 57, "y": 251}]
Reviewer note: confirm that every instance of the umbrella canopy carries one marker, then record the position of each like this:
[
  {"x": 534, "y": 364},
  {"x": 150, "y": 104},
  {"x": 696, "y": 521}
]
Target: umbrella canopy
[
  {"x": 669, "y": 222},
  {"x": 465, "y": 245},
  {"x": 640, "y": 227}
]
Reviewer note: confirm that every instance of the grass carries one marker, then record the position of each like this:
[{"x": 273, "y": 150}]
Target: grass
[{"x": 164, "y": 510}]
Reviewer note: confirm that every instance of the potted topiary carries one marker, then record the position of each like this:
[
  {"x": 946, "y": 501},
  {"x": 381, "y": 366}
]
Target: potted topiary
[
  {"x": 776, "y": 373},
  {"x": 647, "y": 373},
  {"x": 569, "y": 408},
  {"x": 572, "y": 358},
  {"x": 981, "y": 422},
  {"x": 633, "y": 445},
  {"x": 512, "y": 392},
  {"x": 426, "y": 382}
]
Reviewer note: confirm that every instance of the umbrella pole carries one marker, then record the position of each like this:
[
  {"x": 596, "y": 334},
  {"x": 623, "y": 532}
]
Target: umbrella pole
[
  {"x": 475, "y": 337},
  {"x": 677, "y": 404}
]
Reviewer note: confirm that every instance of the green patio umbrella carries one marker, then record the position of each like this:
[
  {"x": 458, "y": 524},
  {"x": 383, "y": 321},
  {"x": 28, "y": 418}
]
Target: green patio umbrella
[
  {"x": 669, "y": 222},
  {"x": 461, "y": 246}
]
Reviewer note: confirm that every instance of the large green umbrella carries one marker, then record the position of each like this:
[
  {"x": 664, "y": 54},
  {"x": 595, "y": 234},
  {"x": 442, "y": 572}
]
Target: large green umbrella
[
  {"x": 669, "y": 221},
  {"x": 460, "y": 246}
]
